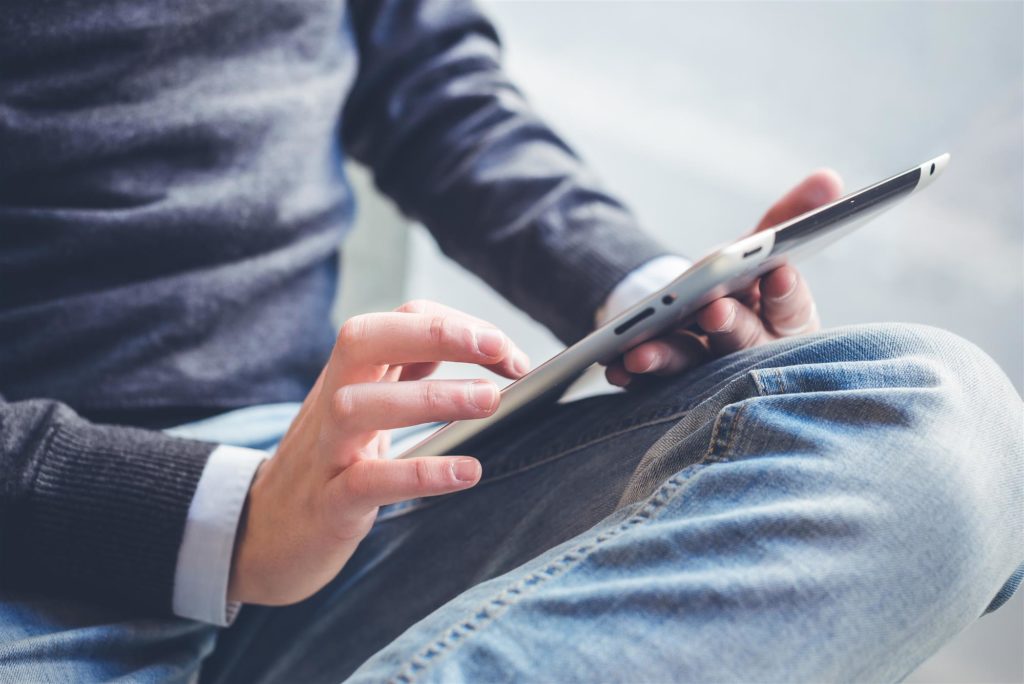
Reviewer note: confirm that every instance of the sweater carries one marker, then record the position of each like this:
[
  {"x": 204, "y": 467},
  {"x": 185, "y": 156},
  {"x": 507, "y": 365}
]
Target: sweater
[{"x": 172, "y": 203}]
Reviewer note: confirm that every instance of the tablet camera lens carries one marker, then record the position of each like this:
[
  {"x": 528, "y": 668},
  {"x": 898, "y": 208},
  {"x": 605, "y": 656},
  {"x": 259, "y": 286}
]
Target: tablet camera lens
[{"x": 668, "y": 299}]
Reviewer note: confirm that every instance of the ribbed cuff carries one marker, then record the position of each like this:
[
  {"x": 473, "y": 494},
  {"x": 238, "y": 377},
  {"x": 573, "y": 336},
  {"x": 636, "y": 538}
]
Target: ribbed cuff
[{"x": 106, "y": 514}]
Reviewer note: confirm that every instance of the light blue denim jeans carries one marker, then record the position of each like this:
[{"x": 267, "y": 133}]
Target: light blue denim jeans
[{"x": 831, "y": 507}]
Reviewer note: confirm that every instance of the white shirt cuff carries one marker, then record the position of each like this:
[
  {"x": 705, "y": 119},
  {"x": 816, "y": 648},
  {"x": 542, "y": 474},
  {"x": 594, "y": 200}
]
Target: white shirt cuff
[
  {"x": 204, "y": 559},
  {"x": 639, "y": 283}
]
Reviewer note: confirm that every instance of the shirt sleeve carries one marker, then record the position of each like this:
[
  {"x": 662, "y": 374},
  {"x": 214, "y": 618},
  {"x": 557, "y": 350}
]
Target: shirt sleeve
[
  {"x": 640, "y": 282},
  {"x": 204, "y": 559}
]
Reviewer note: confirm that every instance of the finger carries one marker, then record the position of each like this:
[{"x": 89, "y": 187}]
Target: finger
[
  {"x": 787, "y": 305},
  {"x": 666, "y": 355},
  {"x": 730, "y": 326},
  {"x": 365, "y": 407},
  {"x": 821, "y": 187},
  {"x": 617, "y": 374},
  {"x": 368, "y": 484},
  {"x": 369, "y": 343},
  {"x": 514, "y": 365}
]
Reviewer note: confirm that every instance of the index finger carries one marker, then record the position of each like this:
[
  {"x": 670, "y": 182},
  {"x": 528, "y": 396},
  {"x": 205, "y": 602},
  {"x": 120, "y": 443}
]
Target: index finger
[
  {"x": 369, "y": 343},
  {"x": 514, "y": 365}
]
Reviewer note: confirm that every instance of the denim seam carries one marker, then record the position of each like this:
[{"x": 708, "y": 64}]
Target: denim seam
[
  {"x": 596, "y": 440},
  {"x": 758, "y": 383},
  {"x": 782, "y": 381},
  {"x": 729, "y": 416},
  {"x": 714, "y": 435},
  {"x": 654, "y": 417},
  {"x": 505, "y": 599},
  {"x": 502, "y": 475}
]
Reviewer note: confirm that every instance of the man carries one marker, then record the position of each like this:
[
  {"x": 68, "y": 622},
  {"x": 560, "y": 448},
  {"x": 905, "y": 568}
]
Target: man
[{"x": 800, "y": 505}]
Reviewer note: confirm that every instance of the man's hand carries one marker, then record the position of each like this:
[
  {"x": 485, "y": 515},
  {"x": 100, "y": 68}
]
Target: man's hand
[
  {"x": 778, "y": 305},
  {"x": 313, "y": 502}
]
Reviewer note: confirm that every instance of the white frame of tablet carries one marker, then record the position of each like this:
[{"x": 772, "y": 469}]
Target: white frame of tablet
[{"x": 725, "y": 270}]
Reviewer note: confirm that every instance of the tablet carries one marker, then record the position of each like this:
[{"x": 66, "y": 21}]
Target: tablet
[{"x": 726, "y": 270}]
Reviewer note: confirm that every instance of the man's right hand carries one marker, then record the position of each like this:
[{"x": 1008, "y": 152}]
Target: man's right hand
[{"x": 313, "y": 502}]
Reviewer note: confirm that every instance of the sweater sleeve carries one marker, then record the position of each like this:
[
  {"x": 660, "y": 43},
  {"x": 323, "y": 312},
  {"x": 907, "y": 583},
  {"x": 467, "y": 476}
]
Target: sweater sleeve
[
  {"x": 91, "y": 511},
  {"x": 455, "y": 144}
]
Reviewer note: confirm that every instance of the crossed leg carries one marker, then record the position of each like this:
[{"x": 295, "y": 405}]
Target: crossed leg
[
  {"x": 835, "y": 506},
  {"x": 831, "y": 507}
]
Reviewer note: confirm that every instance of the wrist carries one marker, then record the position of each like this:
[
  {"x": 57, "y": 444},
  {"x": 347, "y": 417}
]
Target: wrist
[{"x": 282, "y": 526}]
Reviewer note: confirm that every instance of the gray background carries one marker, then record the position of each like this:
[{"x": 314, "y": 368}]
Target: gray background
[{"x": 699, "y": 115}]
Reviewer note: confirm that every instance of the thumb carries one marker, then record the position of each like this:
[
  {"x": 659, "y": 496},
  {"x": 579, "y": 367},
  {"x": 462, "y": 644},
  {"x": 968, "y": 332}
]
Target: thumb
[{"x": 821, "y": 187}]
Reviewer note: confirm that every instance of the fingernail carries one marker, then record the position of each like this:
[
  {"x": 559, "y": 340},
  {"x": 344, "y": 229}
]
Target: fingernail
[
  {"x": 650, "y": 366},
  {"x": 489, "y": 342},
  {"x": 521, "y": 363},
  {"x": 483, "y": 395},
  {"x": 466, "y": 470}
]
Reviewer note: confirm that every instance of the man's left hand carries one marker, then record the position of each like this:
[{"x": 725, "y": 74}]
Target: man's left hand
[{"x": 778, "y": 305}]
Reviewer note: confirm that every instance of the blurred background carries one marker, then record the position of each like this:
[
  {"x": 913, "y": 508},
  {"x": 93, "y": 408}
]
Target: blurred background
[{"x": 699, "y": 115}]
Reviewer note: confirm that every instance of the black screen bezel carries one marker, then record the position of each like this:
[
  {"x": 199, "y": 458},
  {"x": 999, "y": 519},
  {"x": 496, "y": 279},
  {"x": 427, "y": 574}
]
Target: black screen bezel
[{"x": 837, "y": 214}]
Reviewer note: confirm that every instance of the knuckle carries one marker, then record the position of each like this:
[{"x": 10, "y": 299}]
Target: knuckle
[
  {"x": 354, "y": 330},
  {"x": 425, "y": 475},
  {"x": 343, "y": 405},
  {"x": 439, "y": 331},
  {"x": 434, "y": 398}
]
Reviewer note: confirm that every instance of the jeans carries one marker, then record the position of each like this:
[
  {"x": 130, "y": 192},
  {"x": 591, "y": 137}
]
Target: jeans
[{"x": 830, "y": 507}]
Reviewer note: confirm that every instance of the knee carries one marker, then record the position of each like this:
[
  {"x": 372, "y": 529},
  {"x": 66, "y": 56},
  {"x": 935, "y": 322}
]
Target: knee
[
  {"x": 908, "y": 340},
  {"x": 954, "y": 390},
  {"x": 909, "y": 355},
  {"x": 965, "y": 451}
]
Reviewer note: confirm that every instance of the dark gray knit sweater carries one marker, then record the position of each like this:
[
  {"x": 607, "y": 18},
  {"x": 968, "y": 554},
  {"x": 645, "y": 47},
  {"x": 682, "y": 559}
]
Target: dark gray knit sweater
[{"x": 171, "y": 205}]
